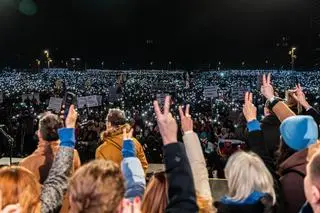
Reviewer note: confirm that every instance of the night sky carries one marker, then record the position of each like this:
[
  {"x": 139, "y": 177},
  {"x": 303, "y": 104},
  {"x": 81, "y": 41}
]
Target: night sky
[{"x": 190, "y": 33}]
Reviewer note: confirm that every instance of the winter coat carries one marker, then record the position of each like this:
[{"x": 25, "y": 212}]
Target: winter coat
[
  {"x": 112, "y": 146},
  {"x": 292, "y": 172}
]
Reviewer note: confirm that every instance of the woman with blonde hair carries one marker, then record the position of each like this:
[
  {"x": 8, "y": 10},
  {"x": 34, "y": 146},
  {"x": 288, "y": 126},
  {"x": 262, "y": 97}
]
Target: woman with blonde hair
[{"x": 250, "y": 185}]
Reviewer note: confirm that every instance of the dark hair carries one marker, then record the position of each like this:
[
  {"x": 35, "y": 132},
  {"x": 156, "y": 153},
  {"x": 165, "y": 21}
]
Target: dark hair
[
  {"x": 283, "y": 153},
  {"x": 116, "y": 117},
  {"x": 49, "y": 125}
]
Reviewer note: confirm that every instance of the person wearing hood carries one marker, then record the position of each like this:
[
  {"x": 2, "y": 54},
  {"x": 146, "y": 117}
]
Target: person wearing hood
[
  {"x": 112, "y": 139},
  {"x": 299, "y": 134}
]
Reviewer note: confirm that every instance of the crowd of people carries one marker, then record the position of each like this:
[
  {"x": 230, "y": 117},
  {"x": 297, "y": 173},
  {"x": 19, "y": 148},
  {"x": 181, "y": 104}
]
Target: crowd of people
[{"x": 277, "y": 170}]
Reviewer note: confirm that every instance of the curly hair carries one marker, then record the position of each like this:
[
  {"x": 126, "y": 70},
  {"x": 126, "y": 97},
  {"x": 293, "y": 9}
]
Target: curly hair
[{"x": 96, "y": 187}]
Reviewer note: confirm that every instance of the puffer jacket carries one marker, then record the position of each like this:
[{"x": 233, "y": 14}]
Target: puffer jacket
[{"x": 112, "y": 146}]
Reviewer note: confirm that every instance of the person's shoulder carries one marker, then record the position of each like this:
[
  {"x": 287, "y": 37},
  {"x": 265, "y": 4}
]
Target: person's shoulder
[
  {"x": 136, "y": 142},
  {"x": 27, "y": 160}
]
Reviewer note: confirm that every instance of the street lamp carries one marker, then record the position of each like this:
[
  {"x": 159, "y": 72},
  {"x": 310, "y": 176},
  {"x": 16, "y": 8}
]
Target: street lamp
[
  {"x": 47, "y": 55},
  {"x": 293, "y": 56}
]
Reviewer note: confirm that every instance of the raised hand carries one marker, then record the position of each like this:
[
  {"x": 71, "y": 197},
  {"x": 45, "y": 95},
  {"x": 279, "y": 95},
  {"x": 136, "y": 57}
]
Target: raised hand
[
  {"x": 167, "y": 124},
  {"x": 126, "y": 136},
  {"x": 266, "y": 88},
  {"x": 186, "y": 120},
  {"x": 71, "y": 117},
  {"x": 249, "y": 110},
  {"x": 131, "y": 207},
  {"x": 300, "y": 97}
]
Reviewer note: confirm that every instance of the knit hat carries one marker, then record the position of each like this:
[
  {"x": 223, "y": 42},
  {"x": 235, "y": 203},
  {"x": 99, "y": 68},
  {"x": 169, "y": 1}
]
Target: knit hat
[{"x": 298, "y": 132}]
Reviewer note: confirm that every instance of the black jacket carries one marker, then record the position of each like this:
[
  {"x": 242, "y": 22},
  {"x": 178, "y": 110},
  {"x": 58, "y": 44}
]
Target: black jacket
[
  {"x": 271, "y": 134},
  {"x": 315, "y": 114},
  {"x": 181, "y": 193},
  {"x": 257, "y": 144}
]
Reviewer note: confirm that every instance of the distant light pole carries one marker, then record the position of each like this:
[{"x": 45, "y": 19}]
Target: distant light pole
[
  {"x": 293, "y": 56},
  {"x": 47, "y": 54}
]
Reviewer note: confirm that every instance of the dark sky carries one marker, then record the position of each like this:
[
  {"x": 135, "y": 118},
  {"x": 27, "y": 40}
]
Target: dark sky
[{"x": 190, "y": 33}]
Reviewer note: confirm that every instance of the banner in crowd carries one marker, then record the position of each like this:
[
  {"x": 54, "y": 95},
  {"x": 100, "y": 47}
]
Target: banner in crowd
[
  {"x": 31, "y": 97},
  {"x": 89, "y": 101},
  {"x": 210, "y": 91},
  {"x": 113, "y": 95},
  {"x": 165, "y": 87},
  {"x": 55, "y": 104},
  {"x": 1, "y": 97},
  {"x": 238, "y": 94}
]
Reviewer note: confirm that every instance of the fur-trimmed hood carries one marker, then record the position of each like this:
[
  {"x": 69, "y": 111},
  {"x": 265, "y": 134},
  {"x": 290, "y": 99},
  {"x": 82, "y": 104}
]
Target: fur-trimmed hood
[{"x": 114, "y": 132}]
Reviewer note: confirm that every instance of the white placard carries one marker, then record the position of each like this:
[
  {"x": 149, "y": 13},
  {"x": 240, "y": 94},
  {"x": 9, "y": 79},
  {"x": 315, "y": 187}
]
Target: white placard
[
  {"x": 210, "y": 92},
  {"x": 82, "y": 102},
  {"x": 92, "y": 101},
  {"x": 55, "y": 104}
]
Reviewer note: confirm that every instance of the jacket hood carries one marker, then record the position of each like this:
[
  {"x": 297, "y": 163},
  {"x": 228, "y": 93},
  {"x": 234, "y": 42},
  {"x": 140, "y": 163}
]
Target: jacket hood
[
  {"x": 297, "y": 161},
  {"x": 114, "y": 132}
]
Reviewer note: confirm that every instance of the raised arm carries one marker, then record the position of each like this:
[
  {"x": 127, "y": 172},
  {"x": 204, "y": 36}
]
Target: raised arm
[
  {"x": 181, "y": 193},
  {"x": 195, "y": 155},
  {"x": 132, "y": 169},
  {"x": 255, "y": 140},
  {"x": 300, "y": 97},
  {"x": 280, "y": 109},
  {"x": 56, "y": 184}
]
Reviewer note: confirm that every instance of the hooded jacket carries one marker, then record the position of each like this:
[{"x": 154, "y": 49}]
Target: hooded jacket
[
  {"x": 292, "y": 172},
  {"x": 112, "y": 146}
]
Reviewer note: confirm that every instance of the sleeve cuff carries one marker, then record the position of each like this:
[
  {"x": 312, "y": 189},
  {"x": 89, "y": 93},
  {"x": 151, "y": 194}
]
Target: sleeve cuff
[
  {"x": 253, "y": 125},
  {"x": 67, "y": 137},
  {"x": 188, "y": 132},
  {"x": 128, "y": 149}
]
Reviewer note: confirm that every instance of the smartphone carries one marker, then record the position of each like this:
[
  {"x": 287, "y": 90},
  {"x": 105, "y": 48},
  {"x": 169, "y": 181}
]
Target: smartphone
[{"x": 69, "y": 99}]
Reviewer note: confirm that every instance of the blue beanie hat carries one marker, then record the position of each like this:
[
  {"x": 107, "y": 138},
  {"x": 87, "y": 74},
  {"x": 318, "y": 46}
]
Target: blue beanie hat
[{"x": 299, "y": 132}]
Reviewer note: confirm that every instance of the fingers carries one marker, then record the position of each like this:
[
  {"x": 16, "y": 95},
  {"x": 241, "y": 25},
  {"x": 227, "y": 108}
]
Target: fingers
[
  {"x": 124, "y": 134},
  {"x": 250, "y": 97},
  {"x": 269, "y": 79},
  {"x": 130, "y": 134},
  {"x": 126, "y": 206},
  {"x": 181, "y": 112},
  {"x": 137, "y": 205},
  {"x": 157, "y": 109},
  {"x": 166, "y": 105},
  {"x": 294, "y": 96},
  {"x": 187, "y": 110},
  {"x": 264, "y": 80},
  {"x": 245, "y": 97}
]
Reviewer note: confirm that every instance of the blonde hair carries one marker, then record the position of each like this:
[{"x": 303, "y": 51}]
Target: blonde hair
[
  {"x": 96, "y": 187},
  {"x": 155, "y": 198},
  {"x": 19, "y": 185},
  {"x": 246, "y": 173}
]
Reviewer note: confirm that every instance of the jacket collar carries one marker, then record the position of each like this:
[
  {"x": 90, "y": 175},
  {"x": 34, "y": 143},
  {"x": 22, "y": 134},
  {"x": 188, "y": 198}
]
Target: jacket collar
[
  {"x": 114, "y": 132},
  {"x": 253, "y": 198}
]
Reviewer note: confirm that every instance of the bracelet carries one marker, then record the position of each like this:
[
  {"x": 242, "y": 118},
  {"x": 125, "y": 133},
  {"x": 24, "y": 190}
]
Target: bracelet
[{"x": 273, "y": 101}]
